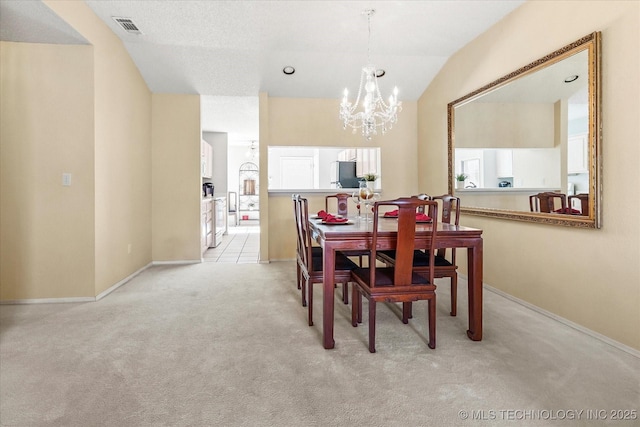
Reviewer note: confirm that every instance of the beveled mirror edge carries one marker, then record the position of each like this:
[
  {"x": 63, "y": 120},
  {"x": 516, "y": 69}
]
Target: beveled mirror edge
[{"x": 594, "y": 220}]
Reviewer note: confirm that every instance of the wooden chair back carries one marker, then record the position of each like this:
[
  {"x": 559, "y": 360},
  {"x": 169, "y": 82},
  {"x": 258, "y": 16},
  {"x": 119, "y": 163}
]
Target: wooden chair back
[
  {"x": 342, "y": 202},
  {"x": 304, "y": 234},
  {"x": 450, "y": 214},
  {"x": 299, "y": 233},
  {"x": 546, "y": 202},
  {"x": 422, "y": 196},
  {"x": 584, "y": 203},
  {"x": 405, "y": 244}
]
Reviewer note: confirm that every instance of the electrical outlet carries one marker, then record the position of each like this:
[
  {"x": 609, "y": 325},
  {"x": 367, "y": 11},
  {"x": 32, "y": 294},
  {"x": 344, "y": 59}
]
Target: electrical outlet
[
  {"x": 129, "y": 248},
  {"x": 66, "y": 179}
]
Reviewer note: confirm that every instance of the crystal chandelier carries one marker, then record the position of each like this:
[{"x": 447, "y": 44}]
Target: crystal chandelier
[{"x": 375, "y": 112}]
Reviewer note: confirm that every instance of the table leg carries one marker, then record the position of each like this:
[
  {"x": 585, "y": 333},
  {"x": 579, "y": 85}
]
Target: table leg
[
  {"x": 329, "y": 258},
  {"x": 474, "y": 284}
]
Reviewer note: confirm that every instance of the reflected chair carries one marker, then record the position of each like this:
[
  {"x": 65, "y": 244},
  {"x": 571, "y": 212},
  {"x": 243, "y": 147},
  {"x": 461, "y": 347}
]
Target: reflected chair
[
  {"x": 400, "y": 282},
  {"x": 545, "y": 202},
  {"x": 583, "y": 200},
  {"x": 444, "y": 267},
  {"x": 310, "y": 258}
]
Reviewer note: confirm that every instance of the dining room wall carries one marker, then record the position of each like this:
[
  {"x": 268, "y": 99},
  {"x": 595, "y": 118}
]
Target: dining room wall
[
  {"x": 314, "y": 122},
  {"x": 589, "y": 277},
  {"x": 83, "y": 110},
  {"x": 46, "y": 129},
  {"x": 121, "y": 143}
]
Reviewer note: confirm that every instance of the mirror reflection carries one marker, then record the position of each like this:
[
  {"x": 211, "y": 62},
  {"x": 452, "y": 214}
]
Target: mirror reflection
[
  {"x": 531, "y": 132},
  {"x": 322, "y": 168}
]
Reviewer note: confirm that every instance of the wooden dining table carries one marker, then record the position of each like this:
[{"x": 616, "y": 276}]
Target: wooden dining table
[{"x": 356, "y": 235}]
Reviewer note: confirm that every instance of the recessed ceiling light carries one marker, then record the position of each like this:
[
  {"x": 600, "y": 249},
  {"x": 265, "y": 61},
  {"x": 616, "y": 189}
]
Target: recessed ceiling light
[
  {"x": 571, "y": 78},
  {"x": 380, "y": 73},
  {"x": 288, "y": 70}
]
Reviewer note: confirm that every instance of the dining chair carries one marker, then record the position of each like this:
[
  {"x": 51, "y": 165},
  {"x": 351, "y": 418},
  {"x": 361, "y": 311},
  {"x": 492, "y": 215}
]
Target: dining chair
[
  {"x": 342, "y": 205},
  {"x": 310, "y": 258},
  {"x": 444, "y": 267},
  {"x": 422, "y": 196},
  {"x": 399, "y": 282},
  {"x": 545, "y": 202},
  {"x": 583, "y": 200}
]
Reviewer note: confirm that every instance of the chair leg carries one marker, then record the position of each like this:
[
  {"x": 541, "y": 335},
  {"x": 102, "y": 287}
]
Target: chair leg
[
  {"x": 408, "y": 307},
  {"x": 310, "y": 298},
  {"x": 299, "y": 276},
  {"x": 345, "y": 292},
  {"x": 454, "y": 294},
  {"x": 354, "y": 305},
  {"x": 432, "y": 321},
  {"x": 406, "y": 312},
  {"x": 372, "y": 326},
  {"x": 303, "y": 291},
  {"x": 359, "y": 307}
]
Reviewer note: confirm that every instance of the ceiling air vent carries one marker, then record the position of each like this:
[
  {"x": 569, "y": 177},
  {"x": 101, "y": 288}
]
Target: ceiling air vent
[{"x": 127, "y": 24}]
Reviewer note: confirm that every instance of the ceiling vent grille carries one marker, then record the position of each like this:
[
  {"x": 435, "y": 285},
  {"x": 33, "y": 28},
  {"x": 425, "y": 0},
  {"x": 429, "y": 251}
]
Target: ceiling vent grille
[{"x": 127, "y": 24}]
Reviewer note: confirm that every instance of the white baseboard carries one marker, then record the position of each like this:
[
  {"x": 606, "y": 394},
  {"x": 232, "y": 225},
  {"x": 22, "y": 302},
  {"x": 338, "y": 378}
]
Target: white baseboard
[
  {"x": 47, "y": 300},
  {"x": 632, "y": 351},
  {"x": 120, "y": 283},
  {"x": 186, "y": 261},
  {"x": 75, "y": 299}
]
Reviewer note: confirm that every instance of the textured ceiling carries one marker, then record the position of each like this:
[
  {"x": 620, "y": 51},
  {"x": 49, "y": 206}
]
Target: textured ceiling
[{"x": 228, "y": 49}]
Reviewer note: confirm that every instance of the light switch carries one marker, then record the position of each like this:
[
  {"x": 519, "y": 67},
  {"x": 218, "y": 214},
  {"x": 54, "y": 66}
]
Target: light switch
[{"x": 66, "y": 179}]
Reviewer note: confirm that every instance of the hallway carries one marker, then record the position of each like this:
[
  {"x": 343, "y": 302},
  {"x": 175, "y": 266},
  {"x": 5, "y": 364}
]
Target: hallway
[{"x": 240, "y": 246}]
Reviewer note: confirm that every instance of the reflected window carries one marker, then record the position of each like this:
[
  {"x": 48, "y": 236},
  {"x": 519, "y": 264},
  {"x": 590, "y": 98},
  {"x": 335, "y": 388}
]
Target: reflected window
[{"x": 471, "y": 168}]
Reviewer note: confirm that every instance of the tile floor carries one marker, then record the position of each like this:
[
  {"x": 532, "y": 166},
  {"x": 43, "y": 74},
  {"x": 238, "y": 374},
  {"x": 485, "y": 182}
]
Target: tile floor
[{"x": 240, "y": 246}]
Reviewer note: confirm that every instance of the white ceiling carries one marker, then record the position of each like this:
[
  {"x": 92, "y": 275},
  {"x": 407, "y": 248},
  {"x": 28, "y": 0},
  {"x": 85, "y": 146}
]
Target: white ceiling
[{"x": 229, "y": 51}]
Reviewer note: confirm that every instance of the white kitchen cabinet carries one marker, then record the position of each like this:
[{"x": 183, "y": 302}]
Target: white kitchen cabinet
[
  {"x": 206, "y": 225},
  {"x": 206, "y": 153},
  {"x": 219, "y": 220},
  {"x": 504, "y": 163},
  {"x": 578, "y": 154}
]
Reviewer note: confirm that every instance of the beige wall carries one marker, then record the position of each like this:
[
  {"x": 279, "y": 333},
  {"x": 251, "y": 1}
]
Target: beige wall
[
  {"x": 590, "y": 277},
  {"x": 314, "y": 122},
  {"x": 47, "y": 129},
  {"x": 84, "y": 110},
  {"x": 176, "y": 187},
  {"x": 122, "y": 144}
]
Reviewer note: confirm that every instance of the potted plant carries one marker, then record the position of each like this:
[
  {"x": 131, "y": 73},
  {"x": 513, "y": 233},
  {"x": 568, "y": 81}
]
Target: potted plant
[
  {"x": 370, "y": 178},
  {"x": 460, "y": 178}
]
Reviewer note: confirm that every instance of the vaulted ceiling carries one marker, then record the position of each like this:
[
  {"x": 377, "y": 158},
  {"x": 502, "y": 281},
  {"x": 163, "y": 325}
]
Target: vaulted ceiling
[{"x": 229, "y": 51}]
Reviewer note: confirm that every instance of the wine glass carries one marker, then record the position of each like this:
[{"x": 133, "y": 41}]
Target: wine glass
[
  {"x": 355, "y": 197},
  {"x": 366, "y": 196}
]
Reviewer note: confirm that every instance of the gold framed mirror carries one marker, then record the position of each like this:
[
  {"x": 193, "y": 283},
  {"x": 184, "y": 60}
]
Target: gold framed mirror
[{"x": 532, "y": 132}]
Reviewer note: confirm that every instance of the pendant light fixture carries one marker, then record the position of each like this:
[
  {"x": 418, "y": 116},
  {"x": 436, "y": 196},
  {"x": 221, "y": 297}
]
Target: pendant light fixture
[{"x": 375, "y": 112}]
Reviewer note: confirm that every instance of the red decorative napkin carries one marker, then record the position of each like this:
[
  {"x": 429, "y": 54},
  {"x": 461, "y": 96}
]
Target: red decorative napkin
[
  {"x": 327, "y": 217},
  {"x": 422, "y": 217},
  {"x": 330, "y": 218},
  {"x": 419, "y": 216}
]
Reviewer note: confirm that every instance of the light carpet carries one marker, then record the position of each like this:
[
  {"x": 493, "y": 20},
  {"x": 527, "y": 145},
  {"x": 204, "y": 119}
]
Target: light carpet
[{"x": 228, "y": 345}]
